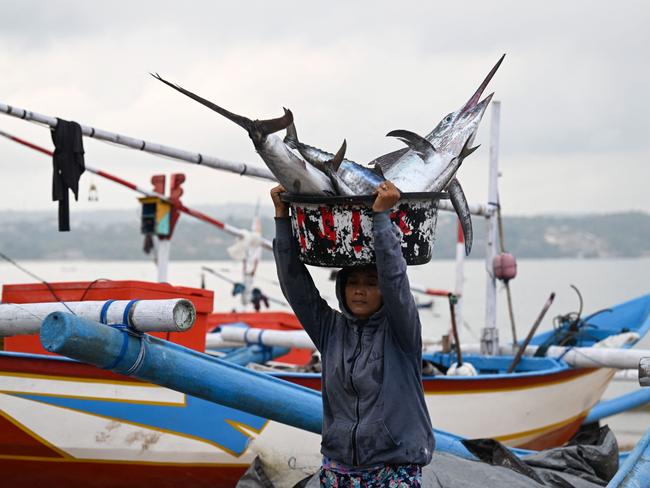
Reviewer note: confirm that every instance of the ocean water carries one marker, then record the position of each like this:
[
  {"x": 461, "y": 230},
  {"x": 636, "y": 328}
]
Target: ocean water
[{"x": 602, "y": 282}]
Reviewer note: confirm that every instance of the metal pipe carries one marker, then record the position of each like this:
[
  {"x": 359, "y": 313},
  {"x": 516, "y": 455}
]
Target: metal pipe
[
  {"x": 174, "y": 315},
  {"x": 489, "y": 334},
  {"x": 172, "y": 366}
]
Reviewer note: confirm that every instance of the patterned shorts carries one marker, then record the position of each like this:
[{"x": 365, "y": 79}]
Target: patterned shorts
[{"x": 389, "y": 476}]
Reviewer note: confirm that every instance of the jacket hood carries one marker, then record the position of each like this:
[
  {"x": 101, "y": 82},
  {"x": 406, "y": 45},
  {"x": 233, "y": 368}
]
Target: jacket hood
[{"x": 341, "y": 280}]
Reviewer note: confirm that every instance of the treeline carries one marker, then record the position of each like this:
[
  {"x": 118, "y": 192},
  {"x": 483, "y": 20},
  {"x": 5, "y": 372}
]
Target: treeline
[{"x": 115, "y": 235}]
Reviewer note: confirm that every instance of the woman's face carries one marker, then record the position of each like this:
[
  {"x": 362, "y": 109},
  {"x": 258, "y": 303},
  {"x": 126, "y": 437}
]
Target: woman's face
[{"x": 362, "y": 295}]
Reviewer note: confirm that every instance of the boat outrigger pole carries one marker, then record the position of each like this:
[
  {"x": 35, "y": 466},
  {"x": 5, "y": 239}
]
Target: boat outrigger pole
[
  {"x": 146, "y": 146},
  {"x": 244, "y": 169}
]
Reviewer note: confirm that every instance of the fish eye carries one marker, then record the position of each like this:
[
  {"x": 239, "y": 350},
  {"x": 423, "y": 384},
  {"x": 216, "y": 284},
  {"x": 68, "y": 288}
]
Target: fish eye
[{"x": 448, "y": 118}]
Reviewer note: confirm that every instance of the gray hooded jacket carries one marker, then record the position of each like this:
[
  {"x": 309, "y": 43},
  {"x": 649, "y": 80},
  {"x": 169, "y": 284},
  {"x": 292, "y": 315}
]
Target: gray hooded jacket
[{"x": 373, "y": 404}]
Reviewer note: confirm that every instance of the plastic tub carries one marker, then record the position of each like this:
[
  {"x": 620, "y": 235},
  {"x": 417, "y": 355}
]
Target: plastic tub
[{"x": 337, "y": 231}]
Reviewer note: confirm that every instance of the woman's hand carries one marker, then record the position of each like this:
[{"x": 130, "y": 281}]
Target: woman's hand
[
  {"x": 281, "y": 208},
  {"x": 387, "y": 196}
]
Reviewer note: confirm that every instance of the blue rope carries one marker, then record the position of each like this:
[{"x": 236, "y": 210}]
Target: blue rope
[
  {"x": 104, "y": 311},
  {"x": 127, "y": 330},
  {"x": 120, "y": 356},
  {"x": 125, "y": 317}
]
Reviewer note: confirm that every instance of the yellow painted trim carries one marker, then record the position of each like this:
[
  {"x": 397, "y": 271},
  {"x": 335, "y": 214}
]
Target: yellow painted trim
[
  {"x": 513, "y": 388},
  {"x": 96, "y": 398},
  {"x": 33, "y": 434},
  {"x": 112, "y": 461},
  {"x": 541, "y": 430},
  {"x": 241, "y": 427},
  {"x": 80, "y": 380},
  {"x": 157, "y": 429}
]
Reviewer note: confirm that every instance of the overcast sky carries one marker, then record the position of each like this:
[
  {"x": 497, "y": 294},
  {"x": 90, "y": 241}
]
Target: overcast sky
[{"x": 575, "y": 126}]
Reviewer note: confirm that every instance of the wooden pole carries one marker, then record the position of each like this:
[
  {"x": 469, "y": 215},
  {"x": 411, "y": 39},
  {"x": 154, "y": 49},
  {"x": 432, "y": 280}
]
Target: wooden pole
[
  {"x": 454, "y": 328},
  {"x": 531, "y": 333},
  {"x": 174, "y": 315}
]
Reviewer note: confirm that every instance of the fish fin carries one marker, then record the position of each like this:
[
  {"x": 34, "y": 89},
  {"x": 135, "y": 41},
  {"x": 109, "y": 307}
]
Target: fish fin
[
  {"x": 291, "y": 139},
  {"x": 466, "y": 151},
  {"x": 458, "y": 200},
  {"x": 336, "y": 161},
  {"x": 377, "y": 169},
  {"x": 385, "y": 162},
  {"x": 257, "y": 129},
  {"x": 417, "y": 143}
]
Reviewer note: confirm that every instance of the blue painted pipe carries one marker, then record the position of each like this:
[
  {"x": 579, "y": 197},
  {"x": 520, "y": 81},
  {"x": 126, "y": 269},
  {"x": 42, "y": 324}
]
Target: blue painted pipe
[
  {"x": 617, "y": 405},
  {"x": 255, "y": 354},
  {"x": 178, "y": 368}
]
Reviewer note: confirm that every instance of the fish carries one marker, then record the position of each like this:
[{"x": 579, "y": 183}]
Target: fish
[
  {"x": 291, "y": 171},
  {"x": 410, "y": 173},
  {"x": 353, "y": 178}
]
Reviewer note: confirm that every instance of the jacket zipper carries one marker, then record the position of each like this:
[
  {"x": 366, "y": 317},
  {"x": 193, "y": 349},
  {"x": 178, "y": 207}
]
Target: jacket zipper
[{"x": 357, "y": 353}]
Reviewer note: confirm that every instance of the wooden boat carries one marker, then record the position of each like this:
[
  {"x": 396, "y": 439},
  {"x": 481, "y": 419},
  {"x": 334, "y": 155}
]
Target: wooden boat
[{"x": 84, "y": 425}]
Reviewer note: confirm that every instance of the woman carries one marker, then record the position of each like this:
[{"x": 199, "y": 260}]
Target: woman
[{"x": 376, "y": 427}]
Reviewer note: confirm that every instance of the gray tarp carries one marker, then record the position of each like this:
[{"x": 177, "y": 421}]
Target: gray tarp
[{"x": 585, "y": 463}]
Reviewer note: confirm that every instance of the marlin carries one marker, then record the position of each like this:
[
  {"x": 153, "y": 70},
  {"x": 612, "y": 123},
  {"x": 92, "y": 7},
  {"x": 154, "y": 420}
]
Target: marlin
[
  {"x": 291, "y": 171},
  {"x": 454, "y": 133}
]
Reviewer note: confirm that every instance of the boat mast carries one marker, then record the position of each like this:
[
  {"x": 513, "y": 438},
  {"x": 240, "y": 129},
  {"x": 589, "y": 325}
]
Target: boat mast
[{"x": 490, "y": 333}]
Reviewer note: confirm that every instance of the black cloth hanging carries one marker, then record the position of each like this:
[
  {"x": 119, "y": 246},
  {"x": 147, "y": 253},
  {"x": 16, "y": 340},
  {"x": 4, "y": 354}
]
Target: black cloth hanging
[{"x": 68, "y": 164}]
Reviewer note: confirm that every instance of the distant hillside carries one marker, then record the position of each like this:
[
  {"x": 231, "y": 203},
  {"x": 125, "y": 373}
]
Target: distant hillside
[{"x": 115, "y": 235}]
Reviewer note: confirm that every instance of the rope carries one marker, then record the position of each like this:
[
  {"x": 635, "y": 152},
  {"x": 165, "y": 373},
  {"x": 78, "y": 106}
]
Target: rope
[
  {"x": 127, "y": 331},
  {"x": 49, "y": 287}
]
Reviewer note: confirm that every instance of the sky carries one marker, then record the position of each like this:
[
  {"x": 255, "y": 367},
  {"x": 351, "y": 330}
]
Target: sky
[{"x": 574, "y": 128}]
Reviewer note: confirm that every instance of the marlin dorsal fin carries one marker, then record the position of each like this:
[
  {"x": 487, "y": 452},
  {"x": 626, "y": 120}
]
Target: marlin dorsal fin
[
  {"x": 415, "y": 142},
  {"x": 384, "y": 163}
]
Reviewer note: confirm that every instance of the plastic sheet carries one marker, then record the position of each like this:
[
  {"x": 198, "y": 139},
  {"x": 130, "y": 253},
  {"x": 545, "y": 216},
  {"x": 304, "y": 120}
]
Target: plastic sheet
[{"x": 588, "y": 462}]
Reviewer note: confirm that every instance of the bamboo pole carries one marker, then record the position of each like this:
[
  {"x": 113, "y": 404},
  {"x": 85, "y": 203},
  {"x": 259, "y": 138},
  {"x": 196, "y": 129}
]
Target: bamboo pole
[{"x": 174, "y": 315}]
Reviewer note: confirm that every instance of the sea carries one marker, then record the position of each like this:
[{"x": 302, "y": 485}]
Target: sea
[{"x": 601, "y": 282}]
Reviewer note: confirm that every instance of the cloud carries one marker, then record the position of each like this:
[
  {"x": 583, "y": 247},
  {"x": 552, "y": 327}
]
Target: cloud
[{"x": 572, "y": 86}]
